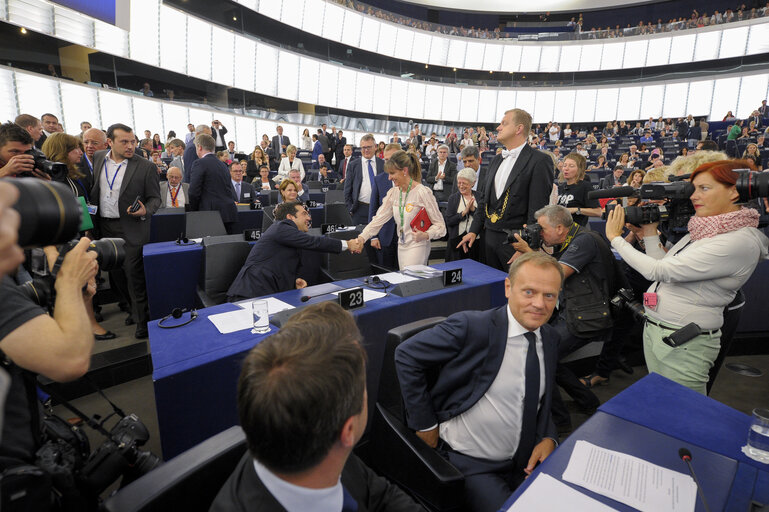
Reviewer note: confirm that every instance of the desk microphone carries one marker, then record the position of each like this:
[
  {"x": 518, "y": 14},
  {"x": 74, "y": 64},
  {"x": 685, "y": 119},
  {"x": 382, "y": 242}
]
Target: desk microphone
[{"x": 686, "y": 456}]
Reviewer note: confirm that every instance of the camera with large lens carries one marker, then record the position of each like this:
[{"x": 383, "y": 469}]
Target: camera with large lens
[
  {"x": 56, "y": 170},
  {"x": 625, "y": 298},
  {"x": 640, "y": 215},
  {"x": 752, "y": 184},
  {"x": 531, "y": 234}
]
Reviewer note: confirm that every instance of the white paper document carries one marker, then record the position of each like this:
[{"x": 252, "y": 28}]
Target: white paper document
[
  {"x": 547, "y": 494},
  {"x": 273, "y": 305},
  {"x": 396, "y": 278},
  {"x": 630, "y": 480},
  {"x": 368, "y": 295},
  {"x": 232, "y": 321},
  {"x": 422, "y": 271}
]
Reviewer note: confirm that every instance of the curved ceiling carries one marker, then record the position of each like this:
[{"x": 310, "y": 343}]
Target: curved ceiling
[{"x": 519, "y": 7}]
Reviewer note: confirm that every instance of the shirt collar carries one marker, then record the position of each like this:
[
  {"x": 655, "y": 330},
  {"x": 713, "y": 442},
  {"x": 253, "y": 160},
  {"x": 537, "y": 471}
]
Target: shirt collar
[
  {"x": 295, "y": 498},
  {"x": 515, "y": 329}
]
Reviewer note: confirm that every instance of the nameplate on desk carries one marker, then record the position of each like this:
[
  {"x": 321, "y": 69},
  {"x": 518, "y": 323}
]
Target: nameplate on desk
[
  {"x": 256, "y": 205},
  {"x": 453, "y": 276},
  {"x": 252, "y": 234},
  {"x": 324, "y": 189},
  {"x": 330, "y": 228},
  {"x": 351, "y": 299},
  {"x": 418, "y": 286},
  {"x": 312, "y": 204}
]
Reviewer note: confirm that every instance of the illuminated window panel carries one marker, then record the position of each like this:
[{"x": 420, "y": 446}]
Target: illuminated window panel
[
  {"x": 111, "y": 39},
  {"x": 245, "y": 56},
  {"x": 612, "y": 55},
  {"x": 37, "y": 96},
  {"x": 659, "y": 51},
  {"x": 313, "y": 14},
  {"x": 308, "y": 80},
  {"x": 288, "y": 75},
  {"x": 369, "y": 34},
  {"x": 487, "y": 106},
  {"x": 352, "y": 26},
  {"x": 433, "y": 101},
  {"x": 468, "y": 105},
  {"x": 700, "y": 98},
  {"x": 200, "y": 116},
  {"x": 266, "y": 126},
  {"x": 292, "y": 12},
  {"x": 505, "y": 101},
  {"x": 346, "y": 89},
  {"x": 635, "y": 54},
  {"x": 115, "y": 108},
  {"x": 725, "y": 93},
  {"x": 707, "y": 45},
  {"x": 228, "y": 121},
  {"x": 451, "y": 99},
  {"x": 33, "y": 16},
  {"x": 525, "y": 100},
  {"x": 570, "y": 56},
  {"x": 675, "y": 100},
  {"x": 199, "y": 49},
  {"x": 271, "y": 9},
  {"x": 327, "y": 84},
  {"x": 382, "y": 86},
  {"x": 511, "y": 58},
  {"x": 404, "y": 43},
  {"x": 591, "y": 57},
  {"x": 543, "y": 106},
  {"x": 492, "y": 59},
  {"x": 564, "y": 105},
  {"x": 73, "y": 27},
  {"x": 398, "y": 97},
  {"x": 584, "y": 106},
  {"x": 733, "y": 42},
  {"x": 175, "y": 117},
  {"x": 222, "y": 43},
  {"x": 758, "y": 41},
  {"x": 8, "y": 100},
  {"x": 439, "y": 50},
  {"x": 144, "y": 32},
  {"x": 420, "y": 52},
  {"x": 173, "y": 35},
  {"x": 474, "y": 55},
  {"x": 606, "y": 104},
  {"x": 651, "y": 101},
  {"x": 629, "y": 101},
  {"x": 416, "y": 99},
  {"x": 364, "y": 89},
  {"x": 457, "y": 51},
  {"x": 530, "y": 58},
  {"x": 682, "y": 49},
  {"x": 752, "y": 92},
  {"x": 266, "y": 66},
  {"x": 79, "y": 104},
  {"x": 332, "y": 24},
  {"x": 548, "y": 60},
  {"x": 387, "y": 34}
]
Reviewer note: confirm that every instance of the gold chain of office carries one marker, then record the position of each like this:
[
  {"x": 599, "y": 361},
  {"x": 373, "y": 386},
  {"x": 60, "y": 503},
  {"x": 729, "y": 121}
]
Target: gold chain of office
[{"x": 494, "y": 217}]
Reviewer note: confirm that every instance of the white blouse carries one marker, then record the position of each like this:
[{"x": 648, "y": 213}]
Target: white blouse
[{"x": 418, "y": 197}]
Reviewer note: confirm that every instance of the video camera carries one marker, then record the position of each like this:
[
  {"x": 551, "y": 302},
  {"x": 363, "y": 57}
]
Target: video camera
[
  {"x": 56, "y": 170},
  {"x": 531, "y": 234}
]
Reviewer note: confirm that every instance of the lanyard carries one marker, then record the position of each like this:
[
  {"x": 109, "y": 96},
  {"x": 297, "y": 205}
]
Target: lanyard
[
  {"x": 90, "y": 165},
  {"x": 85, "y": 191},
  {"x": 401, "y": 206},
  {"x": 111, "y": 183}
]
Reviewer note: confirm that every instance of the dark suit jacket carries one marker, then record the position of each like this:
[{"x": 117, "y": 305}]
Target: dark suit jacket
[
  {"x": 276, "y": 147},
  {"x": 530, "y": 183},
  {"x": 247, "y": 192},
  {"x": 354, "y": 179},
  {"x": 379, "y": 189},
  {"x": 39, "y": 143},
  {"x": 85, "y": 168},
  {"x": 448, "y": 182},
  {"x": 315, "y": 176},
  {"x": 189, "y": 157},
  {"x": 273, "y": 264},
  {"x": 339, "y": 148},
  {"x": 140, "y": 179},
  {"x": 608, "y": 181},
  {"x": 222, "y": 132},
  {"x": 244, "y": 491},
  {"x": 211, "y": 188},
  {"x": 453, "y": 217},
  {"x": 467, "y": 350}
]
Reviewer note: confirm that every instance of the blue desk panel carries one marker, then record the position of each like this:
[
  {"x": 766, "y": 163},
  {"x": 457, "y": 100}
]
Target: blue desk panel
[{"x": 196, "y": 368}]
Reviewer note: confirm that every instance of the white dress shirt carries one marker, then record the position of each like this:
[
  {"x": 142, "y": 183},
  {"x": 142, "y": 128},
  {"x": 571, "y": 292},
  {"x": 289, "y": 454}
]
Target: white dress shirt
[
  {"x": 364, "y": 194},
  {"x": 491, "y": 429},
  {"x": 180, "y": 199},
  {"x": 295, "y": 498},
  {"x": 503, "y": 171},
  {"x": 108, "y": 199}
]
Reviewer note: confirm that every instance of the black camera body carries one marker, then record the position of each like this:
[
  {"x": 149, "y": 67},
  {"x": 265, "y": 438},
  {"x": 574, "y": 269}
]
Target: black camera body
[
  {"x": 625, "y": 298},
  {"x": 56, "y": 170},
  {"x": 531, "y": 234}
]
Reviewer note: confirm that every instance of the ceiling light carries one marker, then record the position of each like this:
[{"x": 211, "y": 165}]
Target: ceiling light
[{"x": 23, "y": 30}]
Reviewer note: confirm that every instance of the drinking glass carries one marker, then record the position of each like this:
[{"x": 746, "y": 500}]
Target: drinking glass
[
  {"x": 758, "y": 435},
  {"x": 261, "y": 317}
]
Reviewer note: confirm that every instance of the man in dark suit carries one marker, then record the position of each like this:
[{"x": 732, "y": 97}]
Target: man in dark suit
[
  {"x": 441, "y": 175},
  {"x": 325, "y": 141},
  {"x": 340, "y": 142},
  {"x": 218, "y": 131},
  {"x": 191, "y": 153},
  {"x": 294, "y": 464},
  {"x": 518, "y": 183},
  {"x": 384, "y": 243},
  {"x": 615, "y": 179},
  {"x": 344, "y": 162},
  {"x": 242, "y": 192},
  {"x": 321, "y": 162},
  {"x": 279, "y": 144},
  {"x": 360, "y": 177},
  {"x": 323, "y": 174},
  {"x": 273, "y": 264},
  {"x": 50, "y": 125},
  {"x": 94, "y": 140},
  {"x": 211, "y": 188},
  {"x": 120, "y": 177},
  {"x": 489, "y": 419}
]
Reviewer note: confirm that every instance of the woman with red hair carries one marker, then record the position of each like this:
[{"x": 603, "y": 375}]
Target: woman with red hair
[{"x": 698, "y": 276}]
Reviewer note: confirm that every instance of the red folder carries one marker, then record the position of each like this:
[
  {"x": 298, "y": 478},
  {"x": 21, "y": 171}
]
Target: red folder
[{"x": 421, "y": 221}]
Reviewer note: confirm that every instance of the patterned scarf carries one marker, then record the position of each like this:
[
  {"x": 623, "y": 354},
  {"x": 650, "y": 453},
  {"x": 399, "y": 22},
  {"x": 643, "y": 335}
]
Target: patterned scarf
[{"x": 706, "y": 227}]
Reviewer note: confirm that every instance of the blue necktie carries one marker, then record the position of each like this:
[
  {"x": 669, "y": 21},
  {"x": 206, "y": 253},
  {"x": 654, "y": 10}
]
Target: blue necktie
[
  {"x": 370, "y": 178},
  {"x": 237, "y": 192},
  {"x": 530, "y": 401}
]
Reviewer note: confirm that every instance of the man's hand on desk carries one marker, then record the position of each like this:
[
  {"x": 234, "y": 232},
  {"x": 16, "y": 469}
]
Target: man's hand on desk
[
  {"x": 539, "y": 453},
  {"x": 300, "y": 283},
  {"x": 430, "y": 437}
]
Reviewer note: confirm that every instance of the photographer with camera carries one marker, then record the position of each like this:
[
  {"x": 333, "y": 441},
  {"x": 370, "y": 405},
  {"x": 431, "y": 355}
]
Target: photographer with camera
[
  {"x": 698, "y": 276},
  {"x": 16, "y": 153},
  {"x": 591, "y": 279}
]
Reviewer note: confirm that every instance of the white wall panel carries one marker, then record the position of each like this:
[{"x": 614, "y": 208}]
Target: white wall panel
[
  {"x": 328, "y": 84},
  {"x": 706, "y": 47},
  {"x": 223, "y": 68},
  {"x": 308, "y": 82},
  {"x": 404, "y": 43},
  {"x": 700, "y": 98},
  {"x": 606, "y": 104},
  {"x": 175, "y": 117},
  {"x": 347, "y": 84},
  {"x": 292, "y": 13},
  {"x": 382, "y": 89},
  {"x": 584, "y": 106},
  {"x": 505, "y": 101},
  {"x": 675, "y": 100},
  {"x": 525, "y": 100},
  {"x": 72, "y": 26},
  {"x": 416, "y": 99},
  {"x": 752, "y": 92},
  {"x": 144, "y": 40},
  {"x": 200, "y": 116},
  {"x": 199, "y": 48},
  {"x": 612, "y": 55},
  {"x": 543, "y": 106},
  {"x": 733, "y": 42},
  {"x": 38, "y": 96},
  {"x": 288, "y": 71},
  {"x": 173, "y": 40},
  {"x": 398, "y": 97},
  {"x": 8, "y": 109},
  {"x": 468, "y": 106},
  {"x": 364, "y": 89},
  {"x": 487, "y": 106},
  {"x": 314, "y": 11},
  {"x": 457, "y": 51},
  {"x": 492, "y": 59},
  {"x": 548, "y": 60},
  {"x": 439, "y": 50},
  {"x": 352, "y": 26},
  {"x": 570, "y": 56},
  {"x": 758, "y": 41},
  {"x": 272, "y": 9},
  {"x": 474, "y": 55},
  {"x": 682, "y": 49},
  {"x": 115, "y": 108},
  {"x": 530, "y": 58},
  {"x": 265, "y": 64},
  {"x": 113, "y": 40},
  {"x": 629, "y": 102},
  {"x": 511, "y": 58},
  {"x": 659, "y": 51},
  {"x": 564, "y": 105},
  {"x": 369, "y": 34},
  {"x": 246, "y": 133},
  {"x": 451, "y": 99},
  {"x": 420, "y": 51},
  {"x": 591, "y": 57},
  {"x": 635, "y": 54},
  {"x": 245, "y": 56},
  {"x": 79, "y": 104},
  {"x": 724, "y": 97},
  {"x": 387, "y": 35},
  {"x": 332, "y": 22},
  {"x": 433, "y": 102},
  {"x": 651, "y": 102}
]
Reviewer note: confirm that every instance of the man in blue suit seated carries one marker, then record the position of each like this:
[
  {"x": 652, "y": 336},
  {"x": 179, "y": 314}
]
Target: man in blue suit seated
[
  {"x": 302, "y": 405},
  {"x": 273, "y": 264},
  {"x": 323, "y": 174},
  {"x": 211, "y": 187},
  {"x": 488, "y": 409}
]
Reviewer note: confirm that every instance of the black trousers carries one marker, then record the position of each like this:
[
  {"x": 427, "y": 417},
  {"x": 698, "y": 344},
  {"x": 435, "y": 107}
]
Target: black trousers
[
  {"x": 496, "y": 249},
  {"x": 129, "y": 279}
]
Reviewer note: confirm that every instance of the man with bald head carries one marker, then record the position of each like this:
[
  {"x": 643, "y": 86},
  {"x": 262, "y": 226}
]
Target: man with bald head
[
  {"x": 174, "y": 193},
  {"x": 94, "y": 140},
  {"x": 190, "y": 152}
]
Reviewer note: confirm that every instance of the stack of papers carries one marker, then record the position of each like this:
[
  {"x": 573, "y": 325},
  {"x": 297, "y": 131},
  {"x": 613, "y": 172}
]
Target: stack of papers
[
  {"x": 547, "y": 494},
  {"x": 273, "y": 305},
  {"x": 233, "y": 321},
  {"x": 396, "y": 278},
  {"x": 422, "y": 271}
]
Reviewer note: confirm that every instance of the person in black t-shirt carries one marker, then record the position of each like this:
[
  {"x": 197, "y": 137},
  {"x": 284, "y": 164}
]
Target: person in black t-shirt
[{"x": 573, "y": 189}]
